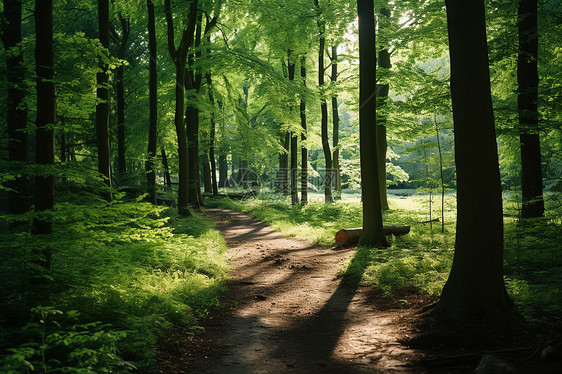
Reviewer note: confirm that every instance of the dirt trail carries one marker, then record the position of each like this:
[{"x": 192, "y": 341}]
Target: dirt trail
[{"x": 291, "y": 313}]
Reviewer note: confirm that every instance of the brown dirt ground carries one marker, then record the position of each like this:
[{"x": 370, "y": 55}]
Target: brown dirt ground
[{"x": 287, "y": 311}]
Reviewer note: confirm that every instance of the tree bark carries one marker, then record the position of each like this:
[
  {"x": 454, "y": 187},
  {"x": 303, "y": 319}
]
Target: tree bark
[
  {"x": 102, "y": 108},
  {"x": 324, "y": 108},
  {"x": 527, "y": 101},
  {"x": 294, "y": 141},
  {"x": 153, "y": 105},
  {"x": 179, "y": 56},
  {"x": 16, "y": 118},
  {"x": 45, "y": 122},
  {"x": 223, "y": 171},
  {"x": 212, "y": 135},
  {"x": 167, "y": 177},
  {"x": 382, "y": 100},
  {"x": 304, "y": 151},
  {"x": 335, "y": 125},
  {"x": 475, "y": 289},
  {"x": 125, "y": 29},
  {"x": 372, "y": 235}
]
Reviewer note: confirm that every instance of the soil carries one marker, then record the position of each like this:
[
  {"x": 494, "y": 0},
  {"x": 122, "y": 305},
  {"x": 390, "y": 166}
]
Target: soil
[{"x": 288, "y": 311}]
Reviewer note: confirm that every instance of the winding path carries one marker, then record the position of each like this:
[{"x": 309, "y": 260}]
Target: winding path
[{"x": 290, "y": 312}]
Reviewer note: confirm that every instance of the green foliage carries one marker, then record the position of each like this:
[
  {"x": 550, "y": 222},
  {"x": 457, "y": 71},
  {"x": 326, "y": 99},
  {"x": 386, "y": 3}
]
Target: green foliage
[
  {"x": 138, "y": 267},
  {"x": 56, "y": 343}
]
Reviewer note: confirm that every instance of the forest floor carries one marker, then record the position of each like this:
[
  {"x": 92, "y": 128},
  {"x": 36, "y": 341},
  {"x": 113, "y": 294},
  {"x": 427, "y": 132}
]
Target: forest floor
[{"x": 287, "y": 310}]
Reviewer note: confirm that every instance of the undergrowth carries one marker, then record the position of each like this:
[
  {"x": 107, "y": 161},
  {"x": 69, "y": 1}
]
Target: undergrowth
[{"x": 122, "y": 274}]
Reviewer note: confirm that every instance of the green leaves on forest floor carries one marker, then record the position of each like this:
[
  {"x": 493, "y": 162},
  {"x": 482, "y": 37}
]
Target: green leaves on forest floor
[
  {"x": 129, "y": 265},
  {"x": 422, "y": 259}
]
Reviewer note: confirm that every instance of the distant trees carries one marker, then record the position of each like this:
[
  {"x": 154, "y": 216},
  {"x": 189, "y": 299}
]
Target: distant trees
[
  {"x": 152, "y": 105},
  {"x": 475, "y": 288}
]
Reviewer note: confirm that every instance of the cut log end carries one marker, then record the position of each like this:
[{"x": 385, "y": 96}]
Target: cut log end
[{"x": 347, "y": 237}]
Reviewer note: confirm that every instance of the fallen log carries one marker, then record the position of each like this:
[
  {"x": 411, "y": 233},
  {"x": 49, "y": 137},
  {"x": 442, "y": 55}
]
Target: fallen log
[{"x": 347, "y": 237}]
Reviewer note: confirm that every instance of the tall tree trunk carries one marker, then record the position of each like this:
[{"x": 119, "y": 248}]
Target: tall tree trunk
[
  {"x": 324, "y": 108},
  {"x": 475, "y": 288},
  {"x": 167, "y": 177},
  {"x": 204, "y": 158},
  {"x": 294, "y": 140},
  {"x": 153, "y": 105},
  {"x": 46, "y": 112},
  {"x": 372, "y": 235},
  {"x": 125, "y": 29},
  {"x": 223, "y": 171},
  {"x": 179, "y": 56},
  {"x": 382, "y": 99},
  {"x": 193, "y": 84},
  {"x": 335, "y": 125},
  {"x": 304, "y": 151},
  {"x": 212, "y": 135},
  {"x": 441, "y": 178},
  {"x": 527, "y": 101},
  {"x": 102, "y": 108},
  {"x": 18, "y": 200}
]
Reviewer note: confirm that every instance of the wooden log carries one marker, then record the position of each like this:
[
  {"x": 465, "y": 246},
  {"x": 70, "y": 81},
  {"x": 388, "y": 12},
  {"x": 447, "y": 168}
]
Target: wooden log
[{"x": 347, "y": 237}]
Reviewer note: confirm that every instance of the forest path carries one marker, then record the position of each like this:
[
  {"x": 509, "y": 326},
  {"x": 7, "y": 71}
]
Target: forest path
[{"x": 289, "y": 312}]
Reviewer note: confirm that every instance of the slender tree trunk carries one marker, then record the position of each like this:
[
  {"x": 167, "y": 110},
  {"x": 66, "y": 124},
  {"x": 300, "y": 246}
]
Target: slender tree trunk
[
  {"x": 46, "y": 112},
  {"x": 16, "y": 118},
  {"x": 304, "y": 151},
  {"x": 179, "y": 56},
  {"x": 204, "y": 158},
  {"x": 102, "y": 108},
  {"x": 382, "y": 100},
  {"x": 335, "y": 125},
  {"x": 125, "y": 27},
  {"x": 153, "y": 105},
  {"x": 193, "y": 84},
  {"x": 475, "y": 288},
  {"x": 372, "y": 235},
  {"x": 527, "y": 100},
  {"x": 440, "y": 173},
  {"x": 223, "y": 171},
  {"x": 167, "y": 177},
  {"x": 324, "y": 109},
  {"x": 294, "y": 140},
  {"x": 212, "y": 135}
]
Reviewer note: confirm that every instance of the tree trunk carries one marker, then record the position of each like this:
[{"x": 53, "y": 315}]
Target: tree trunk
[
  {"x": 179, "y": 57},
  {"x": 324, "y": 109},
  {"x": 208, "y": 187},
  {"x": 167, "y": 178},
  {"x": 440, "y": 173},
  {"x": 193, "y": 84},
  {"x": 102, "y": 108},
  {"x": 527, "y": 101},
  {"x": 304, "y": 151},
  {"x": 335, "y": 125},
  {"x": 283, "y": 174},
  {"x": 372, "y": 235},
  {"x": 16, "y": 118},
  {"x": 125, "y": 27},
  {"x": 475, "y": 289},
  {"x": 223, "y": 171},
  {"x": 153, "y": 106},
  {"x": 45, "y": 121},
  {"x": 212, "y": 136},
  {"x": 382, "y": 99},
  {"x": 294, "y": 141}
]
